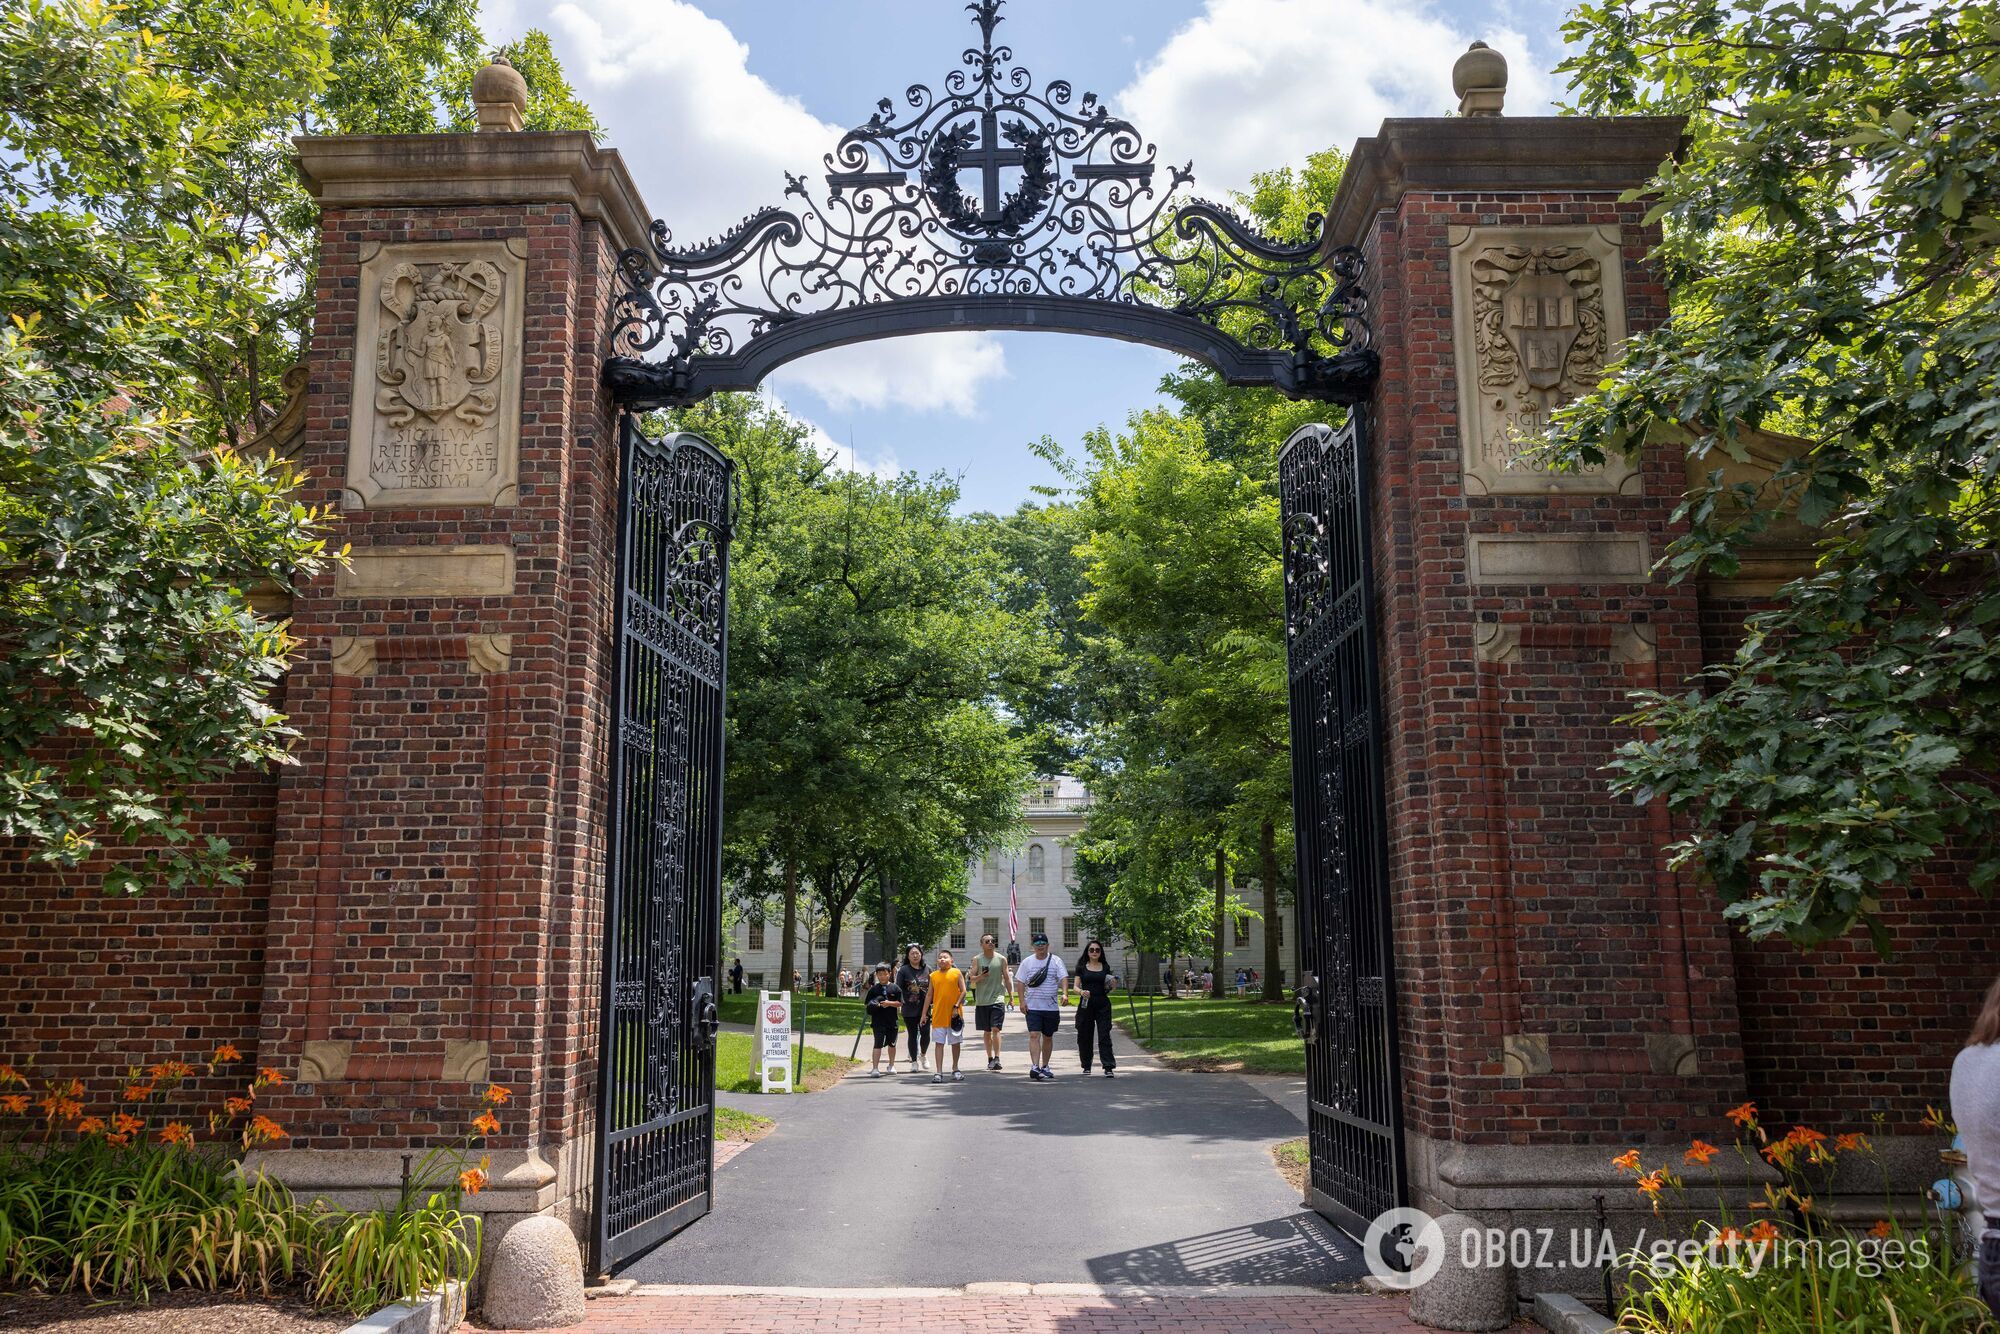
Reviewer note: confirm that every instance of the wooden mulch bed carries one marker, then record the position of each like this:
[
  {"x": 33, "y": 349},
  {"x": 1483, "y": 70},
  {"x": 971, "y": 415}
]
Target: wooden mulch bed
[{"x": 179, "y": 1312}]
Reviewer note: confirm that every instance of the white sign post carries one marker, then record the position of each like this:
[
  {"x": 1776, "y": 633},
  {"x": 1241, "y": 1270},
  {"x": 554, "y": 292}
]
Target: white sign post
[{"x": 774, "y": 1040}]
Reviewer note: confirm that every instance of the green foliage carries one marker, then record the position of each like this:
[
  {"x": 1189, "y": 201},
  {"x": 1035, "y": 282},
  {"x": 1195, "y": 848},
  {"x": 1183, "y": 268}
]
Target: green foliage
[
  {"x": 156, "y": 254},
  {"x": 126, "y": 1222},
  {"x": 1830, "y": 236},
  {"x": 870, "y": 636},
  {"x": 378, "y": 1256},
  {"x": 736, "y": 1069},
  {"x": 1205, "y": 1034}
]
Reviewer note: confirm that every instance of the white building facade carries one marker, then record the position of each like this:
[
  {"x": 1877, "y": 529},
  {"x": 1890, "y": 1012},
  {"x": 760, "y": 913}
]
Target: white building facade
[{"x": 1038, "y": 874}]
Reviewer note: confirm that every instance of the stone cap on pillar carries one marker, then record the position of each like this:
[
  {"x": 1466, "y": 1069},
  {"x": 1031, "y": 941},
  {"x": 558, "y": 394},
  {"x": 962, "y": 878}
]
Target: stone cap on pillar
[
  {"x": 1496, "y": 154},
  {"x": 443, "y": 170}
]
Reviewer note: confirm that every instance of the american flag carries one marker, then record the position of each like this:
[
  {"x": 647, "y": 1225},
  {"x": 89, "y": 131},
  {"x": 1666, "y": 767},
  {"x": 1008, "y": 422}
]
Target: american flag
[{"x": 1013, "y": 904}]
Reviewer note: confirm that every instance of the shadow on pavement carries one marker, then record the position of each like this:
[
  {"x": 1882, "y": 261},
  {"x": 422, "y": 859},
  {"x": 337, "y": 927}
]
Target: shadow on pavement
[{"x": 1298, "y": 1249}]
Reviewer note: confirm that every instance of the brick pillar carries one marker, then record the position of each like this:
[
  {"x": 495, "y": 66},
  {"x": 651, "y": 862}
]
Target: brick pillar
[
  {"x": 438, "y": 871},
  {"x": 1563, "y": 996}
]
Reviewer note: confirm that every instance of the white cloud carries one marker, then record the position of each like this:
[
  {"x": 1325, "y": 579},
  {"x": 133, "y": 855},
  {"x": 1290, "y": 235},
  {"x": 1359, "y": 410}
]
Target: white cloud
[
  {"x": 1255, "y": 84},
  {"x": 927, "y": 372},
  {"x": 846, "y": 457}
]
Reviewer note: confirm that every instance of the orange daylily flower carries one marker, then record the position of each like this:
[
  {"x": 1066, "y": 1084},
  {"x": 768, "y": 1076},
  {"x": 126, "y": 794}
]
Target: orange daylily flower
[
  {"x": 225, "y": 1053},
  {"x": 64, "y": 1101},
  {"x": 486, "y": 1124},
  {"x": 1701, "y": 1151},
  {"x": 17, "y": 1103},
  {"x": 1764, "y": 1231},
  {"x": 1627, "y": 1161},
  {"x": 1728, "y": 1236},
  {"x": 1744, "y": 1115},
  {"x": 138, "y": 1092},
  {"x": 1851, "y": 1143},
  {"x": 1654, "y": 1181},
  {"x": 269, "y": 1076},
  {"x": 126, "y": 1125},
  {"x": 177, "y": 1132},
  {"x": 1882, "y": 1229},
  {"x": 261, "y": 1129},
  {"x": 170, "y": 1071},
  {"x": 9, "y": 1076},
  {"x": 118, "y": 1141},
  {"x": 473, "y": 1179},
  {"x": 236, "y": 1106},
  {"x": 495, "y": 1095},
  {"x": 90, "y": 1125}
]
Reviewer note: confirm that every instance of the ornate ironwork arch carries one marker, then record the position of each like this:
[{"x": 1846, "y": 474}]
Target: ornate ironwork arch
[{"x": 1095, "y": 237}]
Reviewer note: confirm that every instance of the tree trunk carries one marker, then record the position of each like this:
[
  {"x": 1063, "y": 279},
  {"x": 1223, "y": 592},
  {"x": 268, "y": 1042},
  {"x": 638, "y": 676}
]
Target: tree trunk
[
  {"x": 1215, "y": 946},
  {"x": 1267, "y": 857},
  {"x": 834, "y": 914},
  {"x": 788, "y": 952},
  {"x": 889, "y": 944}
]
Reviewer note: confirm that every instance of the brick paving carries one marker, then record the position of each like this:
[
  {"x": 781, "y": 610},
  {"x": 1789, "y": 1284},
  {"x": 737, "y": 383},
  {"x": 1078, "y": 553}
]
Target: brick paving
[{"x": 772, "y": 1313}]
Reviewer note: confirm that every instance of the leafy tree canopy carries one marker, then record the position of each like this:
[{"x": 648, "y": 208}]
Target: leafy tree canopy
[
  {"x": 1830, "y": 239},
  {"x": 155, "y": 272}
]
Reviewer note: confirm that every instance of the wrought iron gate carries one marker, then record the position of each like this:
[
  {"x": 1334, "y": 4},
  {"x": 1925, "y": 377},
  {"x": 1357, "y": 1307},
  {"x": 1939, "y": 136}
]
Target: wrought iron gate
[
  {"x": 662, "y": 933},
  {"x": 1346, "y": 1003}
]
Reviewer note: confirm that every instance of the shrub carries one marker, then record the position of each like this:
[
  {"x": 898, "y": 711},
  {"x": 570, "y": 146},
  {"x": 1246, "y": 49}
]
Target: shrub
[{"x": 1790, "y": 1269}]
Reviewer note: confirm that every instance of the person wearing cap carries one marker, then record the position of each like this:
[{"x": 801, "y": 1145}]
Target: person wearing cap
[
  {"x": 1044, "y": 987},
  {"x": 992, "y": 984}
]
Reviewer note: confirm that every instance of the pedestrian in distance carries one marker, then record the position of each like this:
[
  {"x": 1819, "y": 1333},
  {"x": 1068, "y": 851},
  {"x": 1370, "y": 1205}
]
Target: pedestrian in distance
[
  {"x": 914, "y": 981},
  {"x": 992, "y": 984},
  {"x": 947, "y": 1016},
  {"x": 1975, "y": 1105},
  {"x": 736, "y": 977},
  {"x": 1094, "y": 983},
  {"x": 1044, "y": 984},
  {"x": 883, "y": 1003}
]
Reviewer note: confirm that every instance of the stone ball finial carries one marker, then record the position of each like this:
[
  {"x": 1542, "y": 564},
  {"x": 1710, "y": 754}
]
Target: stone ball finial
[
  {"x": 499, "y": 96},
  {"x": 1479, "y": 77}
]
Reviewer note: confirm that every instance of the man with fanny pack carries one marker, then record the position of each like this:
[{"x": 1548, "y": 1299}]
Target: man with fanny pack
[{"x": 1044, "y": 984}]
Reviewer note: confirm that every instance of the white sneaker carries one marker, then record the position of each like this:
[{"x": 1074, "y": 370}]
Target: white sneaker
[{"x": 957, "y": 1078}]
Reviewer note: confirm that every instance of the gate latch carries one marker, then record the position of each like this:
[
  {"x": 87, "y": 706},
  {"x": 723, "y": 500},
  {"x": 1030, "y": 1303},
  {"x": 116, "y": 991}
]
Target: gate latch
[
  {"x": 707, "y": 1019},
  {"x": 1305, "y": 1008}
]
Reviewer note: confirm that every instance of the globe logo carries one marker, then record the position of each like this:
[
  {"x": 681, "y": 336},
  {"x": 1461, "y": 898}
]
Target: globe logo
[{"x": 1404, "y": 1248}]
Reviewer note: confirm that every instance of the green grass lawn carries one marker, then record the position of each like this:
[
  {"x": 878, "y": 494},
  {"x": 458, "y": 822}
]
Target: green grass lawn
[
  {"x": 736, "y": 1065},
  {"x": 824, "y": 1014},
  {"x": 732, "y": 1124},
  {"x": 1217, "y": 1034}
]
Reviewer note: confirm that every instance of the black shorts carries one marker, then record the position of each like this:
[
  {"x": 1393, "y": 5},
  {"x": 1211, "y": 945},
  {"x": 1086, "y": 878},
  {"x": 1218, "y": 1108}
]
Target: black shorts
[
  {"x": 986, "y": 1018},
  {"x": 885, "y": 1030},
  {"x": 1044, "y": 1021}
]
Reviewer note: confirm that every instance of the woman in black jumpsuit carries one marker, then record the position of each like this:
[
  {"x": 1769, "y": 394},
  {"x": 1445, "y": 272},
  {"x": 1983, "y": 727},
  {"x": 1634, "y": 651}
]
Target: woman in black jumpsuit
[
  {"x": 915, "y": 983},
  {"x": 1093, "y": 1013}
]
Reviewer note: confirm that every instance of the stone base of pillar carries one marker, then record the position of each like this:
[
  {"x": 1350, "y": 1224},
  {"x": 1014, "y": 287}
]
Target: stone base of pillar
[{"x": 551, "y": 1180}]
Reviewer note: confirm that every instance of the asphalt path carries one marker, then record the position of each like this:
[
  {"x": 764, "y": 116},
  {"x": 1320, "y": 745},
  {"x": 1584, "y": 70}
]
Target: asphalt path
[{"x": 1158, "y": 1179}]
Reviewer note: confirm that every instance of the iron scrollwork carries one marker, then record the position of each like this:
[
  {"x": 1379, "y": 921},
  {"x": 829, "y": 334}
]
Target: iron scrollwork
[{"x": 1096, "y": 236}]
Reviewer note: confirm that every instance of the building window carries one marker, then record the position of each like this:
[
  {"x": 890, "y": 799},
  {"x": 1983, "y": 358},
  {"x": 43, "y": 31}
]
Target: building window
[
  {"x": 958, "y": 937},
  {"x": 1243, "y": 928},
  {"x": 1038, "y": 864},
  {"x": 1037, "y": 926},
  {"x": 819, "y": 935},
  {"x": 757, "y": 936},
  {"x": 1069, "y": 933},
  {"x": 990, "y": 926},
  {"x": 992, "y": 865},
  {"x": 756, "y": 981},
  {"x": 1048, "y": 794},
  {"x": 1278, "y": 929}
]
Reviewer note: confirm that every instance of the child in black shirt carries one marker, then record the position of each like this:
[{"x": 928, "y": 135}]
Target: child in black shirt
[{"x": 884, "y": 1000}]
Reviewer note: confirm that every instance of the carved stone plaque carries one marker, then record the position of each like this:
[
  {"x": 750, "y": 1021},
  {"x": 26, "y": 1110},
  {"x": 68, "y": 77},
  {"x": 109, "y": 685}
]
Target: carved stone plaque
[
  {"x": 437, "y": 375},
  {"x": 1537, "y": 313}
]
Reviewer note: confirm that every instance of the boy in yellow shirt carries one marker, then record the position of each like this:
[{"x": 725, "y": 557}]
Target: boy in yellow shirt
[{"x": 947, "y": 1016}]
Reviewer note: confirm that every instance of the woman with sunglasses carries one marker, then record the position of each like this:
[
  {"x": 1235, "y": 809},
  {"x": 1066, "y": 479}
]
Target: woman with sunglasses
[
  {"x": 1093, "y": 1012},
  {"x": 914, "y": 981}
]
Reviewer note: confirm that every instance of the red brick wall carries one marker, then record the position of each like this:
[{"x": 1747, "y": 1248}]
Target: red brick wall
[
  {"x": 1837, "y": 1036},
  {"x": 92, "y": 985},
  {"x": 1528, "y": 900}
]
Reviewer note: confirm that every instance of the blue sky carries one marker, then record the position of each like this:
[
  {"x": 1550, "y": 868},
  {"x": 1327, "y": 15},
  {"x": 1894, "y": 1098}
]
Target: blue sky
[{"x": 710, "y": 102}]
